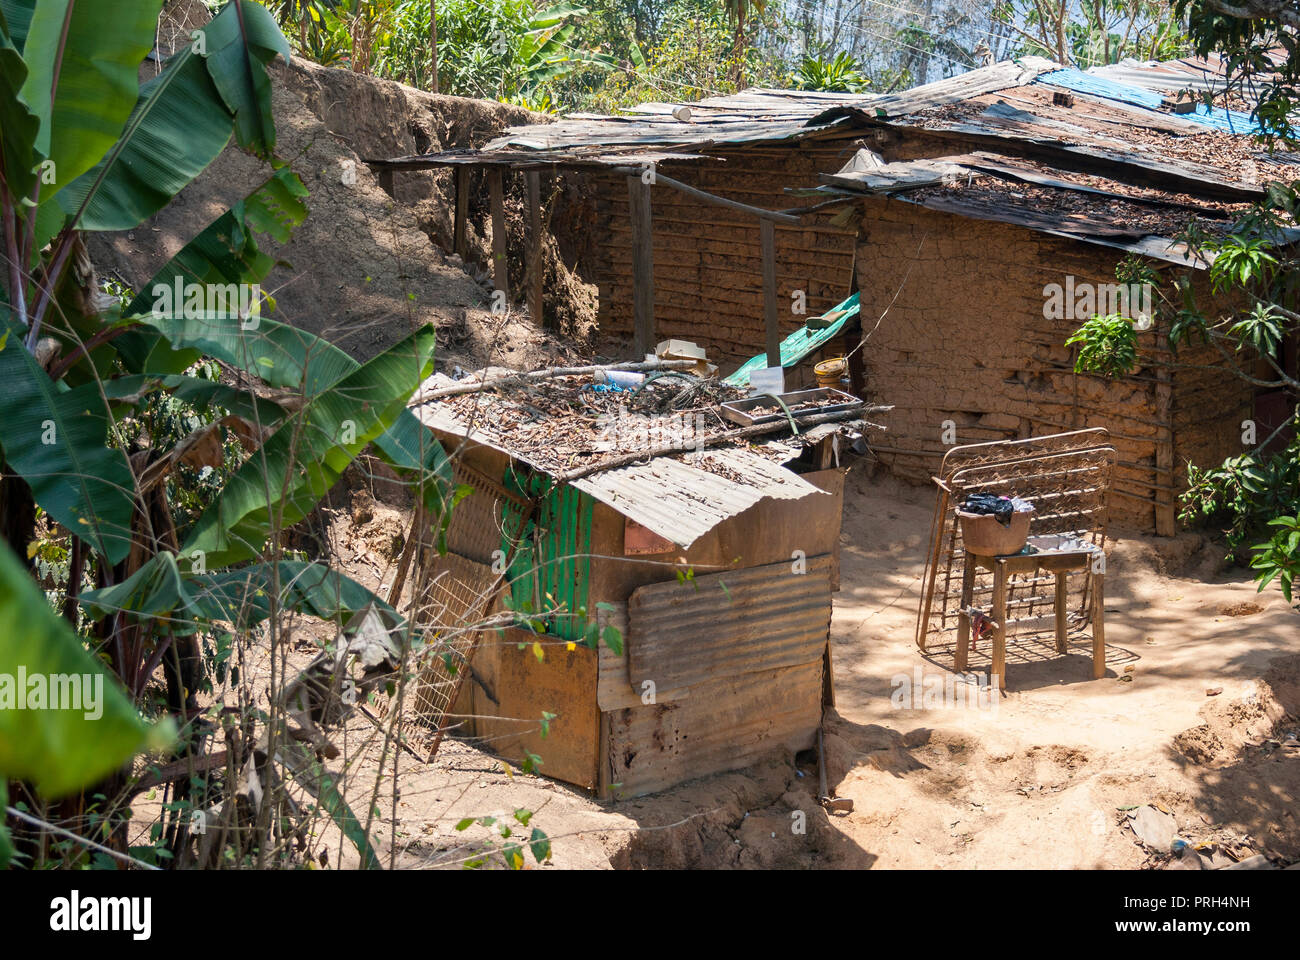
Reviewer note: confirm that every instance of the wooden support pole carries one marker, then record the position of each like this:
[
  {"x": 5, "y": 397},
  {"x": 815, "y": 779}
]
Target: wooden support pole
[
  {"x": 459, "y": 245},
  {"x": 385, "y": 175},
  {"x": 1166, "y": 510},
  {"x": 643, "y": 282},
  {"x": 768, "y": 233},
  {"x": 1098, "y": 626},
  {"x": 533, "y": 179},
  {"x": 496, "y": 200},
  {"x": 777, "y": 216},
  {"x": 999, "y": 666},
  {"x": 1061, "y": 610}
]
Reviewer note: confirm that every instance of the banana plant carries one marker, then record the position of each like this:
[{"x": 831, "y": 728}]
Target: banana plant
[
  {"x": 85, "y": 147},
  {"x": 549, "y": 49}
]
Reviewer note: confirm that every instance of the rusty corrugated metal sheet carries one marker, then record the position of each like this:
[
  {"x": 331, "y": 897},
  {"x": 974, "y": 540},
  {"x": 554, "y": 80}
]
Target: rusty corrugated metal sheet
[
  {"x": 963, "y": 86},
  {"x": 762, "y": 618},
  {"x": 682, "y": 502},
  {"x": 724, "y": 724}
]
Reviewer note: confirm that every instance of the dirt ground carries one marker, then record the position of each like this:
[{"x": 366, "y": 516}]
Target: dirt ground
[{"x": 1042, "y": 781}]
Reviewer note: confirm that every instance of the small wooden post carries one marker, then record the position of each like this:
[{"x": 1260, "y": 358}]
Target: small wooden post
[
  {"x": 533, "y": 180},
  {"x": 999, "y": 667},
  {"x": 1062, "y": 613},
  {"x": 496, "y": 200},
  {"x": 767, "y": 231},
  {"x": 385, "y": 175},
  {"x": 643, "y": 282},
  {"x": 1098, "y": 625},
  {"x": 1166, "y": 509},
  {"x": 462, "y": 211},
  {"x": 963, "y": 618}
]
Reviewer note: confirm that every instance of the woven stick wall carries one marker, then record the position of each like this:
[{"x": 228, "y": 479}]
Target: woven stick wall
[{"x": 1066, "y": 477}]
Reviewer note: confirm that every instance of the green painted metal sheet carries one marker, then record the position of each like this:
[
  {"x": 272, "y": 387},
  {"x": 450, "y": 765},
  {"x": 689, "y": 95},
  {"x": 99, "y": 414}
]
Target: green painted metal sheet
[
  {"x": 798, "y": 345},
  {"x": 551, "y": 569}
]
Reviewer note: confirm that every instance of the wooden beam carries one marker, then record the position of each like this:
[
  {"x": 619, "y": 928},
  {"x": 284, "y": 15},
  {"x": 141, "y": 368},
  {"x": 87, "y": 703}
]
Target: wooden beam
[
  {"x": 643, "y": 282},
  {"x": 533, "y": 179},
  {"x": 775, "y": 216},
  {"x": 767, "y": 231},
  {"x": 1166, "y": 510},
  {"x": 459, "y": 245},
  {"x": 496, "y": 200}
]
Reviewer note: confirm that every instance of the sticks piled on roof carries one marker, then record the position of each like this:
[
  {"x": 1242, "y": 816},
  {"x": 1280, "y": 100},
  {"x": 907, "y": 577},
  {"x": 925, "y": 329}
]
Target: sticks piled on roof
[
  {"x": 548, "y": 373},
  {"x": 700, "y": 443}
]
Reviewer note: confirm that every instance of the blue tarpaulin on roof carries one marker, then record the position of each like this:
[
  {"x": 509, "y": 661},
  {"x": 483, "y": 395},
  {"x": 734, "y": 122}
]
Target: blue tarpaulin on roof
[
  {"x": 1229, "y": 121},
  {"x": 799, "y": 344}
]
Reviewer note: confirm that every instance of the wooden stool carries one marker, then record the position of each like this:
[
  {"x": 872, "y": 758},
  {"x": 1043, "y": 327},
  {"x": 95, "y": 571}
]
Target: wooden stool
[{"x": 1059, "y": 563}]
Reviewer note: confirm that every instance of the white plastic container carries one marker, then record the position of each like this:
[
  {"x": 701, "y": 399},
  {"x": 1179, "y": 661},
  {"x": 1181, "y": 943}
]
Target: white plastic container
[{"x": 627, "y": 379}]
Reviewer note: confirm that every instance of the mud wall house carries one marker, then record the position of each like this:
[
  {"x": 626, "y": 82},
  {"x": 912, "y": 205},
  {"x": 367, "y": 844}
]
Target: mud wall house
[
  {"x": 995, "y": 185},
  {"x": 714, "y": 672},
  {"x": 1012, "y": 204}
]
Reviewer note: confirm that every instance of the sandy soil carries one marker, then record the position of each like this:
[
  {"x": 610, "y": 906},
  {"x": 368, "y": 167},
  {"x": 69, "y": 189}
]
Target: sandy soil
[{"x": 1040, "y": 781}]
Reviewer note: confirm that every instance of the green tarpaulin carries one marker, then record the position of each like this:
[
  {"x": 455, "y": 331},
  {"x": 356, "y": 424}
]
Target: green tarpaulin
[{"x": 799, "y": 344}]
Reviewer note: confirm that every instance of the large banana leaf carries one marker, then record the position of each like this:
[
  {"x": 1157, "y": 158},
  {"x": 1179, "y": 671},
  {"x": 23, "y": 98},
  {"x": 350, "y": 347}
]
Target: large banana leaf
[
  {"x": 59, "y": 750},
  {"x": 242, "y": 598},
  {"x": 18, "y": 124},
  {"x": 82, "y": 79},
  {"x": 181, "y": 121},
  {"x": 57, "y": 441},
  {"x": 237, "y": 43},
  {"x": 17, "y": 15},
  {"x": 281, "y": 355},
  {"x": 226, "y": 251},
  {"x": 307, "y": 454},
  {"x": 203, "y": 395}
]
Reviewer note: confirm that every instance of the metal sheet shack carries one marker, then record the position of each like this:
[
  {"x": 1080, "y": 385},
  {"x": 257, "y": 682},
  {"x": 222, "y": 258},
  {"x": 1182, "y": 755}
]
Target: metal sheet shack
[{"x": 715, "y": 566}]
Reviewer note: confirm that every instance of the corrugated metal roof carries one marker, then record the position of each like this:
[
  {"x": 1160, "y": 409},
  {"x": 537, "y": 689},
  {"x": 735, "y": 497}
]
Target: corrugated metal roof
[
  {"x": 566, "y": 138},
  {"x": 973, "y": 83},
  {"x": 1009, "y": 189},
  {"x": 1198, "y": 74},
  {"x": 680, "y": 498},
  {"x": 681, "y": 502},
  {"x": 1117, "y": 122}
]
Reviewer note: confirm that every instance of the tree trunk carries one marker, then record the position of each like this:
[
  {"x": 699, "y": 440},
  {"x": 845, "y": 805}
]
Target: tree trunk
[{"x": 433, "y": 44}]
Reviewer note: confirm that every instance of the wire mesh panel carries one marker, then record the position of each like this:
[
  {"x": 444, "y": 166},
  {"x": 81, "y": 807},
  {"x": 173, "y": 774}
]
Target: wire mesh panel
[
  {"x": 454, "y": 590},
  {"x": 1066, "y": 477},
  {"x": 454, "y": 595}
]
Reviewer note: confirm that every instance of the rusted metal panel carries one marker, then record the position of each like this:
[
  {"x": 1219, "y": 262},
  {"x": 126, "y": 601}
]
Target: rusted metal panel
[
  {"x": 725, "y": 724},
  {"x": 564, "y": 683},
  {"x": 614, "y": 690},
  {"x": 682, "y": 634},
  {"x": 639, "y": 540}
]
